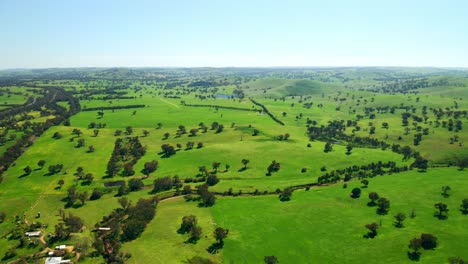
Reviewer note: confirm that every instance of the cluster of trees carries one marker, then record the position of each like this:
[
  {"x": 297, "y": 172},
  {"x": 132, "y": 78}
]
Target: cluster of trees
[
  {"x": 363, "y": 171},
  {"x": 126, "y": 224},
  {"x": 69, "y": 224},
  {"x": 273, "y": 167},
  {"x": 102, "y": 108},
  {"x": 425, "y": 241},
  {"x": 73, "y": 196},
  {"x": 150, "y": 167},
  {"x": 265, "y": 110},
  {"x": 166, "y": 183},
  {"x": 189, "y": 225},
  {"x": 127, "y": 151},
  {"x": 222, "y": 107}
]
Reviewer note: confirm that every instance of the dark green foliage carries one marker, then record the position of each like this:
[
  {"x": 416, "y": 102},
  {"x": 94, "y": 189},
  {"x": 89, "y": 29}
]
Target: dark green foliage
[
  {"x": 162, "y": 184},
  {"x": 442, "y": 210},
  {"x": 270, "y": 260},
  {"x": 328, "y": 147},
  {"x": 220, "y": 234},
  {"x": 383, "y": 206},
  {"x": 400, "y": 217},
  {"x": 286, "y": 194},
  {"x": 372, "y": 227},
  {"x": 212, "y": 180},
  {"x": 428, "y": 241},
  {"x": 188, "y": 222},
  {"x": 374, "y": 197},
  {"x": 356, "y": 193},
  {"x": 135, "y": 184}
]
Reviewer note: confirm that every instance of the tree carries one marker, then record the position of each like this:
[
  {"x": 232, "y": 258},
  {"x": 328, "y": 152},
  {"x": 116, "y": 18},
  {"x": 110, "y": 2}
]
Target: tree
[
  {"x": 443, "y": 209},
  {"x": 166, "y": 135},
  {"x": 132, "y": 229},
  {"x": 372, "y": 227},
  {"x": 168, "y": 150},
  {"x": 27, "y": 170},
  {"x": 124, "y": 202},
  {"x": 255, "y": 132},
  {"x": 445, "y": 190},
  {"x": 400, "y": 217},
  {"x": 356, "y": 193},
  {"x": 41, "y": 163},
  {"x": 286, "y": 194},
  {"x": 122, "y": 189},
  {"x": 83, "y": 197},
  {"x": 200, "y": 145},
  {"x": 365, "y": 183},
  {"x": 118, "y": 132},
  {"x": 348, "y": 149},
  {"x": 383, "y": 206},
  {"x": 245, "y": 162},
  {"x": 61, "y": 183},
  {"x": 374, "y": 197},
  {"x": 415, "y": 244},
  {"x": 96, "y": 132},
  {"x": 188, "y": 222},
  {"x": 464, "y": 206},
  {"x": 328, "y": 147},
  {"x": 273, "y": 167},
  {"x": 270, "y": 260},
  {"x": 150, "y": 167},
  {"x": 135, "y": 184},
  {"x": 145, "y": 132},
  {"x": 428, "y": 241},
  {"x": 81, "y": 143},
  {"x": 89, "y": 178},
  {"x": 212, "y": 180},
  {"x": 195, "y": 234},
  {"x": 227, "y": 166},
  {"x": 91, "y": 149},
  {"x": 216, "y": 166},
  {"x": 128, "y": 130},
  {"x": 220, "y": 234},
  {"x": 193, "y": 132},
  {"x": 95, "y": 195}
]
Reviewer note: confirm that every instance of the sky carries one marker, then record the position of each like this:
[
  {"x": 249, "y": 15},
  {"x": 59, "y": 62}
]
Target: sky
[{"x": 239, "y": 33}]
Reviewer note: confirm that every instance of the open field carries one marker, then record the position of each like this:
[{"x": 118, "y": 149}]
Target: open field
[{"x": 214, "y": 121}]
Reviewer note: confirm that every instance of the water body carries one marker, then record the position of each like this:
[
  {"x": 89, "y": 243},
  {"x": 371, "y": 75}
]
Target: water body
[{"x": 225, "y": 96}]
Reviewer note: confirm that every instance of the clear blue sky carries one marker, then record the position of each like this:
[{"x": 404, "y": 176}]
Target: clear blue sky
[{"x": 80, "y": 33}]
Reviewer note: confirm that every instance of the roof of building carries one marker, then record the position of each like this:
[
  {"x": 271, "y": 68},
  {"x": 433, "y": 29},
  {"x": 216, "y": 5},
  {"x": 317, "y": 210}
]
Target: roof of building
[{"x": 34, "y": 233}]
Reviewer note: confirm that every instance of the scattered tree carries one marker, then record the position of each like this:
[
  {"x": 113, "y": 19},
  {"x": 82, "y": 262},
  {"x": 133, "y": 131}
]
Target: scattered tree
[
  {"x": 400, "y": 217},
  {"x": 356, "y": 193}
]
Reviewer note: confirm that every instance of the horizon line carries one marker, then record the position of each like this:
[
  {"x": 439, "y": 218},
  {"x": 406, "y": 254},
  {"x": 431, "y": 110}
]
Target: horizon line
[{"x": 225, "y": 67}]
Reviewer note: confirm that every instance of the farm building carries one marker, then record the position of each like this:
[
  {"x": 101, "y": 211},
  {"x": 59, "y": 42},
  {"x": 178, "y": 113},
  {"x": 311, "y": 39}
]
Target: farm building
[
  {"x": 33, "y": 234},
  {"x": 56, "y": 260}
]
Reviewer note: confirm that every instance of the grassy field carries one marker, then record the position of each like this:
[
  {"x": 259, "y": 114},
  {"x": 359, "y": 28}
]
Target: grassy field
[
  {"x": 325, "y": 223},
  {"x": 317, "y": 226}
]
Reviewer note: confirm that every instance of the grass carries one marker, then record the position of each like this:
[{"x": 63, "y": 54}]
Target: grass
[
  {"x": 314, "y": 224},
  {"x": 161, "y": 243}
]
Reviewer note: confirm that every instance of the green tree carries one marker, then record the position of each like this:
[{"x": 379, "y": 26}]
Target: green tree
[
  {"x": 220, "y": 234},
  {"x": 383, "y": 205},
  {"x": 286, "y": 194},
  {"x": 41, "y": 163},
  {"x": 245, "y": 162},
  {"x": 428, "y": 241},
  {"x": 442, "y": 208},
  {"x": 374, "y": 197},
  {"x": 464, "y": 206},
  {"x": 270, "y": 260},
  {"x": 445, "y": 190},
  {"x": 356, "y": 193},
  {"x": 400, "y": 217},
  {"x": 372, "y": 227},
  {"x": 188, "y": 222}
]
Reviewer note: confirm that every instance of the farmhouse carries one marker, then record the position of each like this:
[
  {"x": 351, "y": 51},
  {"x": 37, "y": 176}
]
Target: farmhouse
[
  {"x": 56, "y": 260},
  {"x": 33, "y": 234}
]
